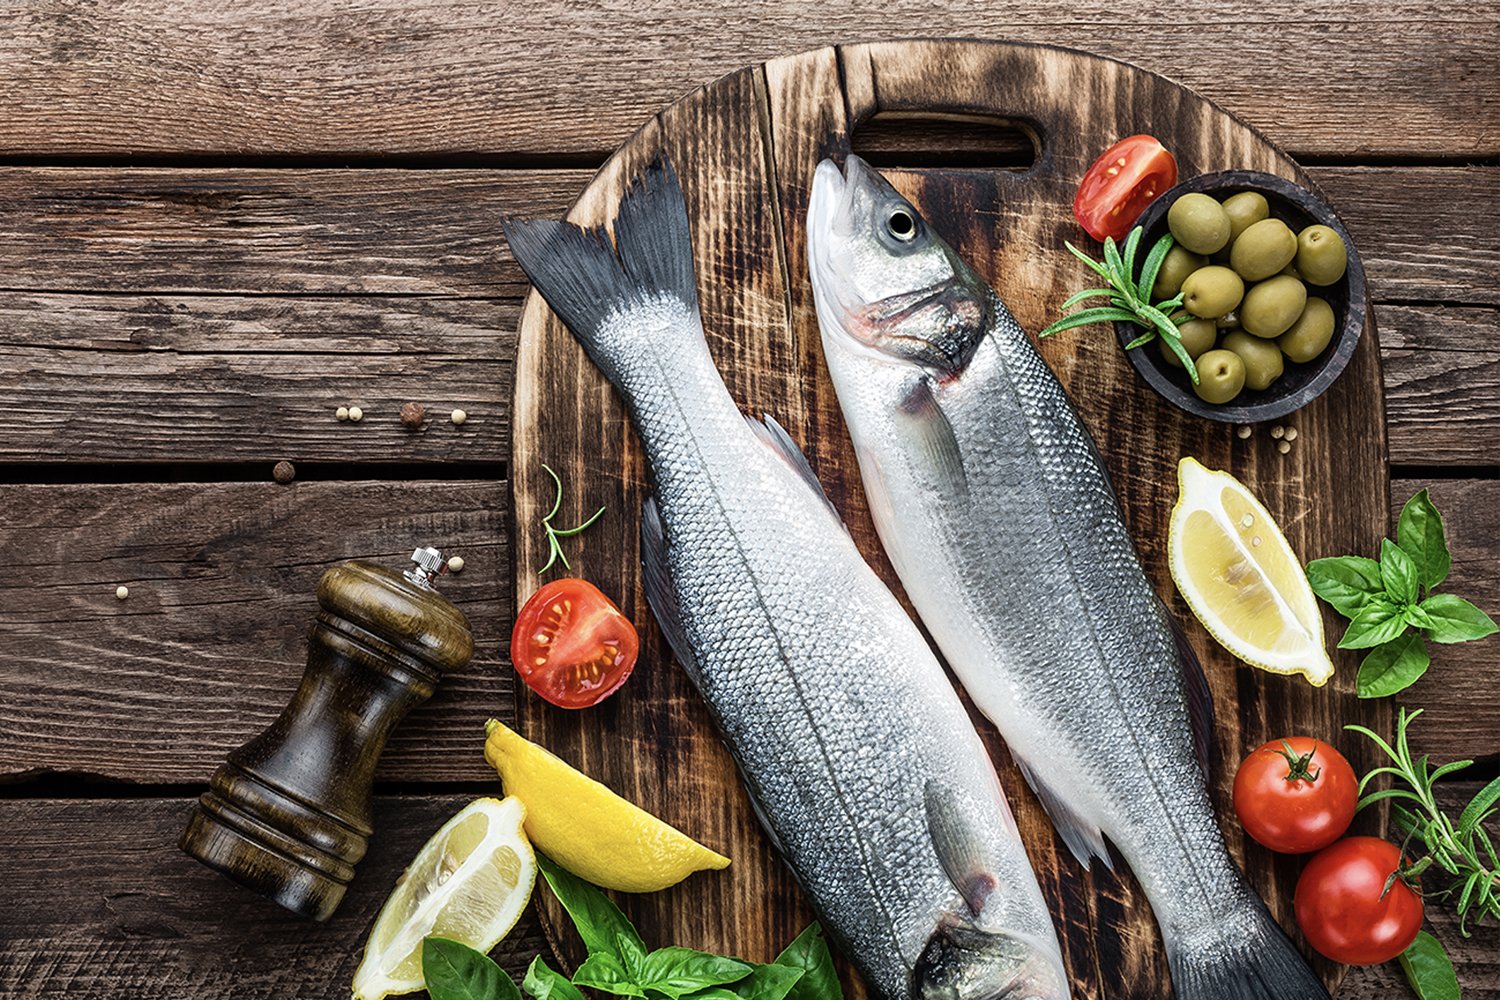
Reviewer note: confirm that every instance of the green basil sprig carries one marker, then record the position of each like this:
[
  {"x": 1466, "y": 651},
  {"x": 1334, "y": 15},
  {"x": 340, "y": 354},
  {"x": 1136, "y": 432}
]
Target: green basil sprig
[
  {"x": 618, "y": 962},
  {"x": 1429, "y": 970},
  {"x": 1383, "y": 599}
]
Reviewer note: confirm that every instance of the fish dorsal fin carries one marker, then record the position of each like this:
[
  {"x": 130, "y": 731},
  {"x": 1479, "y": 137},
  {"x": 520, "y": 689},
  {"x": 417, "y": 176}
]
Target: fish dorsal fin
[
  {"x": 661, "y": 593},
  {"x": 1200, "y": 700},
  {"x": 958, "y": 850},
  {"x": 934, "y": 436},
  {"x": 775, "y": 437},
  {"x": 1083, "y": 838}
]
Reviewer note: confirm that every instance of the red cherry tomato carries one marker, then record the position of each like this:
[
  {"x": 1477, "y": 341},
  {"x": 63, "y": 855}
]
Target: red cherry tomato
[
  {"x": 1295, "y": 795},
  {"x": 571, "y": 645},
  {"x": 1339, "y": 905},
  {"x": 1121, "y": 183}
]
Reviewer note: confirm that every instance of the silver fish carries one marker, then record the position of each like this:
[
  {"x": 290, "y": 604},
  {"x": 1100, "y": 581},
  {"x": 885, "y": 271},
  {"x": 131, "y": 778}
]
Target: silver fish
[
  {"x": 855, "y": 751},
  {"x": 997, "y": 513}
]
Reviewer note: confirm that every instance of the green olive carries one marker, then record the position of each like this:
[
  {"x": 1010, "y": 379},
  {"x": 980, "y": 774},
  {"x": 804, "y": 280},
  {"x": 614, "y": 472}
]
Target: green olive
[
  {"x": 1175, "y": 266},
  {"x": 1199, "y": 223},
  {"x": 1312, "y": 331},
  {"x": 1198, "y": 335},
  {"x": 1212, "y": 291},
  {"x": 1262, "y": 358},
  {"x": 1245, "y": 210},
  {"x": 1221, "y": 376},
  {"x": 1263, "y": 249},
  {"x": 1321, "y": 255},
  {"x": 1273, "y": 305}
]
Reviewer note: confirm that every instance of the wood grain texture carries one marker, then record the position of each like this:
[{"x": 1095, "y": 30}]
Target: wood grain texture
[
  {"x": 445, "y": 77},
  {"x": 169, "y": 315},
  {"x": 211, "y": 643},
  {"x": 100, "y": 902},
  {"x": 1010, "y": 226}
]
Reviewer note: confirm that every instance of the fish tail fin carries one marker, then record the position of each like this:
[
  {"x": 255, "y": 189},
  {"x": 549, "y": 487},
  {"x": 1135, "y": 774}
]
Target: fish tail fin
[
  {"x": 1243, "y": 957},
  {"x": 588, "y": 281}
]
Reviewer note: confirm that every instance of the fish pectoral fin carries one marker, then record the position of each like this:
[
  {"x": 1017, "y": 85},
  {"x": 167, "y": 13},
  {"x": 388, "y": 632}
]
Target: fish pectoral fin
[
  {"x": 935, "y": 438},
  {"x": 775, "y": 437},
  {"x": 1200, "y": 699},
  {"x": 1083, "y": 838},
  {"x": 958, "y": 849},
  {"x": 661, "y": 592}
]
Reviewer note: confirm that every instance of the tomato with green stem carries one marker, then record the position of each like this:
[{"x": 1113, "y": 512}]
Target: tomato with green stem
[
  {"x": 1295, "y": 795},
  {"x": 1356, "y": 902}
]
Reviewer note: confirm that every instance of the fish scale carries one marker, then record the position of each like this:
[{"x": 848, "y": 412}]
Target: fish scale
[{"x": 855, "y": 751}]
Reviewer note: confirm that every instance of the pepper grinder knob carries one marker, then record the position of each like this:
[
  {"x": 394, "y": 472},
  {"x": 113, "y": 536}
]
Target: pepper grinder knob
[{"x": 289, "y": 813}]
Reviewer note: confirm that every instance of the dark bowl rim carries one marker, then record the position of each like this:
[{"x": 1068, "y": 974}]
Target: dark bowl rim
[{"x": 1344, "y": 344}]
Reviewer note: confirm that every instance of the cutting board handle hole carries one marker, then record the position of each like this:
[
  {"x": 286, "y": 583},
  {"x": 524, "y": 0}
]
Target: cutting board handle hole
[{"x": 916, "y": 141}]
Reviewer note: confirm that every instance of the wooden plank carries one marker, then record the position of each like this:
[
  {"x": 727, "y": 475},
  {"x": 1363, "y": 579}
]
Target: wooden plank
[
  {"x": 161, "y": 315},
  {"x": 100, "y": 902},
  {"x": 441, "y": 78},
  {"x": 211, "y": 642}
]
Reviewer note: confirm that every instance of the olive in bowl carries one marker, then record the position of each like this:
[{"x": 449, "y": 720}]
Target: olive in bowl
[{"x": 1295, "y": 329}]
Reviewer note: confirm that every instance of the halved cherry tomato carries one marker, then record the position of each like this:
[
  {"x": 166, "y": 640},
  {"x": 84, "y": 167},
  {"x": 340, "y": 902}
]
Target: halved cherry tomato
[
  {"x": 1121, "y": 183},
  {"x": 1295, "y": 795},
  {"x": 571, "y": 645},
  {"x": 1344, "y": 908}
]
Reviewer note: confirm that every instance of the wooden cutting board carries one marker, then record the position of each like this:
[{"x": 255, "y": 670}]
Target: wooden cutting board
[{"x": 746, "y": 147}]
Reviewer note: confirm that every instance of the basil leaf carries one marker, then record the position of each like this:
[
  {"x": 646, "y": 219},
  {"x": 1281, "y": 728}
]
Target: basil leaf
[
  {"x": 599, "y": 921},
  {"x": 603, "y": 971},
  {"x": 1455, "y": 619},
  {"x": 1398, "y": 571},
  {"x": 1377, "y": 622},
  {"x": 545, "y": 983},
  {"x": 454, "y": 971},
  {"x": 1420, "y": 533},
  {"x": 1393, "y": 666},
  {"x": 767, "y": 982},
  {"x": 679, "y": 971},
  {"x": 809, "y": 952},
  {"x": 1346, "y": 582},
  {"x": 1429, "y": 969}
]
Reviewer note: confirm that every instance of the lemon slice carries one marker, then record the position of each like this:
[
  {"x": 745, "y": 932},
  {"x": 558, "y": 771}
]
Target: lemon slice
[
  {"x": 469, "y": 882},
  {"x": 1241, "y": 578},
  {"x": 587, "y": 828}
]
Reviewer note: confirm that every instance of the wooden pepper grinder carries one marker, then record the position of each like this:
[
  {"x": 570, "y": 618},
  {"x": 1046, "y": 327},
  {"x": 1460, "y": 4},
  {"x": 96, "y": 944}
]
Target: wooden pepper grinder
[{"x": 289, "y": 814}]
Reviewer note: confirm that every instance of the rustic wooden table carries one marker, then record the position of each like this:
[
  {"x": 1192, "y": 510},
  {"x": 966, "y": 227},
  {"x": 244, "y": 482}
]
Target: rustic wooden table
[{"x": 220, "y": 222}]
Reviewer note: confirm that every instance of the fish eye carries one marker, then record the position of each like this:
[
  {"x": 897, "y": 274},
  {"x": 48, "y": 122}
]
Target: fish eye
[{"x": 901, "y": 225}]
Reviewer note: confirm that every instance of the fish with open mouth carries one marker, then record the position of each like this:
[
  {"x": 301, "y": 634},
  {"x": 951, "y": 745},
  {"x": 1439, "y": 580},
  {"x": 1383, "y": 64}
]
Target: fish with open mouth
[
  {"x": 999, "y": 517},
  {"x": 855, "y": 751}
]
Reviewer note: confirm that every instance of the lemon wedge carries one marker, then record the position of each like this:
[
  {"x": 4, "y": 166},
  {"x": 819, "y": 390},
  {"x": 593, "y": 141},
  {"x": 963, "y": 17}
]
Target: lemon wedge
[
  {"x": 469, "y": 882},
  {"x": 1235, "y": 569},
  {"x": 587, "y": 828}
]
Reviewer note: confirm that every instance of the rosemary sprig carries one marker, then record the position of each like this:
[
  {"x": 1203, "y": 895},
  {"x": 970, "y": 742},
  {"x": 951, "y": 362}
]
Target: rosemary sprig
[
  {"x": 1464, "y": 849},
  {"x": 553, "y": 534},
  {"x": 1129, "y": 298}
]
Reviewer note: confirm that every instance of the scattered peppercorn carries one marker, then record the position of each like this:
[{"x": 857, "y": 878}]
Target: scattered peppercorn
[
  {"x": 122, "y": 592},
  {"x": 412, "y": 414},
  {"x": 1278, "y": 432},
  {"x": 342, "y": 413},
  {"x": 456, "y": 564},
  {"x": 458, "y": 416},
  {"x": 1291, "y": 433},
  {"x": 284, "y": 472},
  {"x": 1243, "y": 431},
  {"x": 1283, "y": 446},
  {"x": 356, "y": 414}
]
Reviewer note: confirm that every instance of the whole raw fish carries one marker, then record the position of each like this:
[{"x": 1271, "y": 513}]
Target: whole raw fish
[
  {"x": 854, "y": 749},
  {"x": 1000, "y": 519}
]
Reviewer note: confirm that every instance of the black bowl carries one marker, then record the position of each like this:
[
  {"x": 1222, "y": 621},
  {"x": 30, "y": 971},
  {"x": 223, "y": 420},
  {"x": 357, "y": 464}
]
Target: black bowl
[{"x": 1302, "y": 382}]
